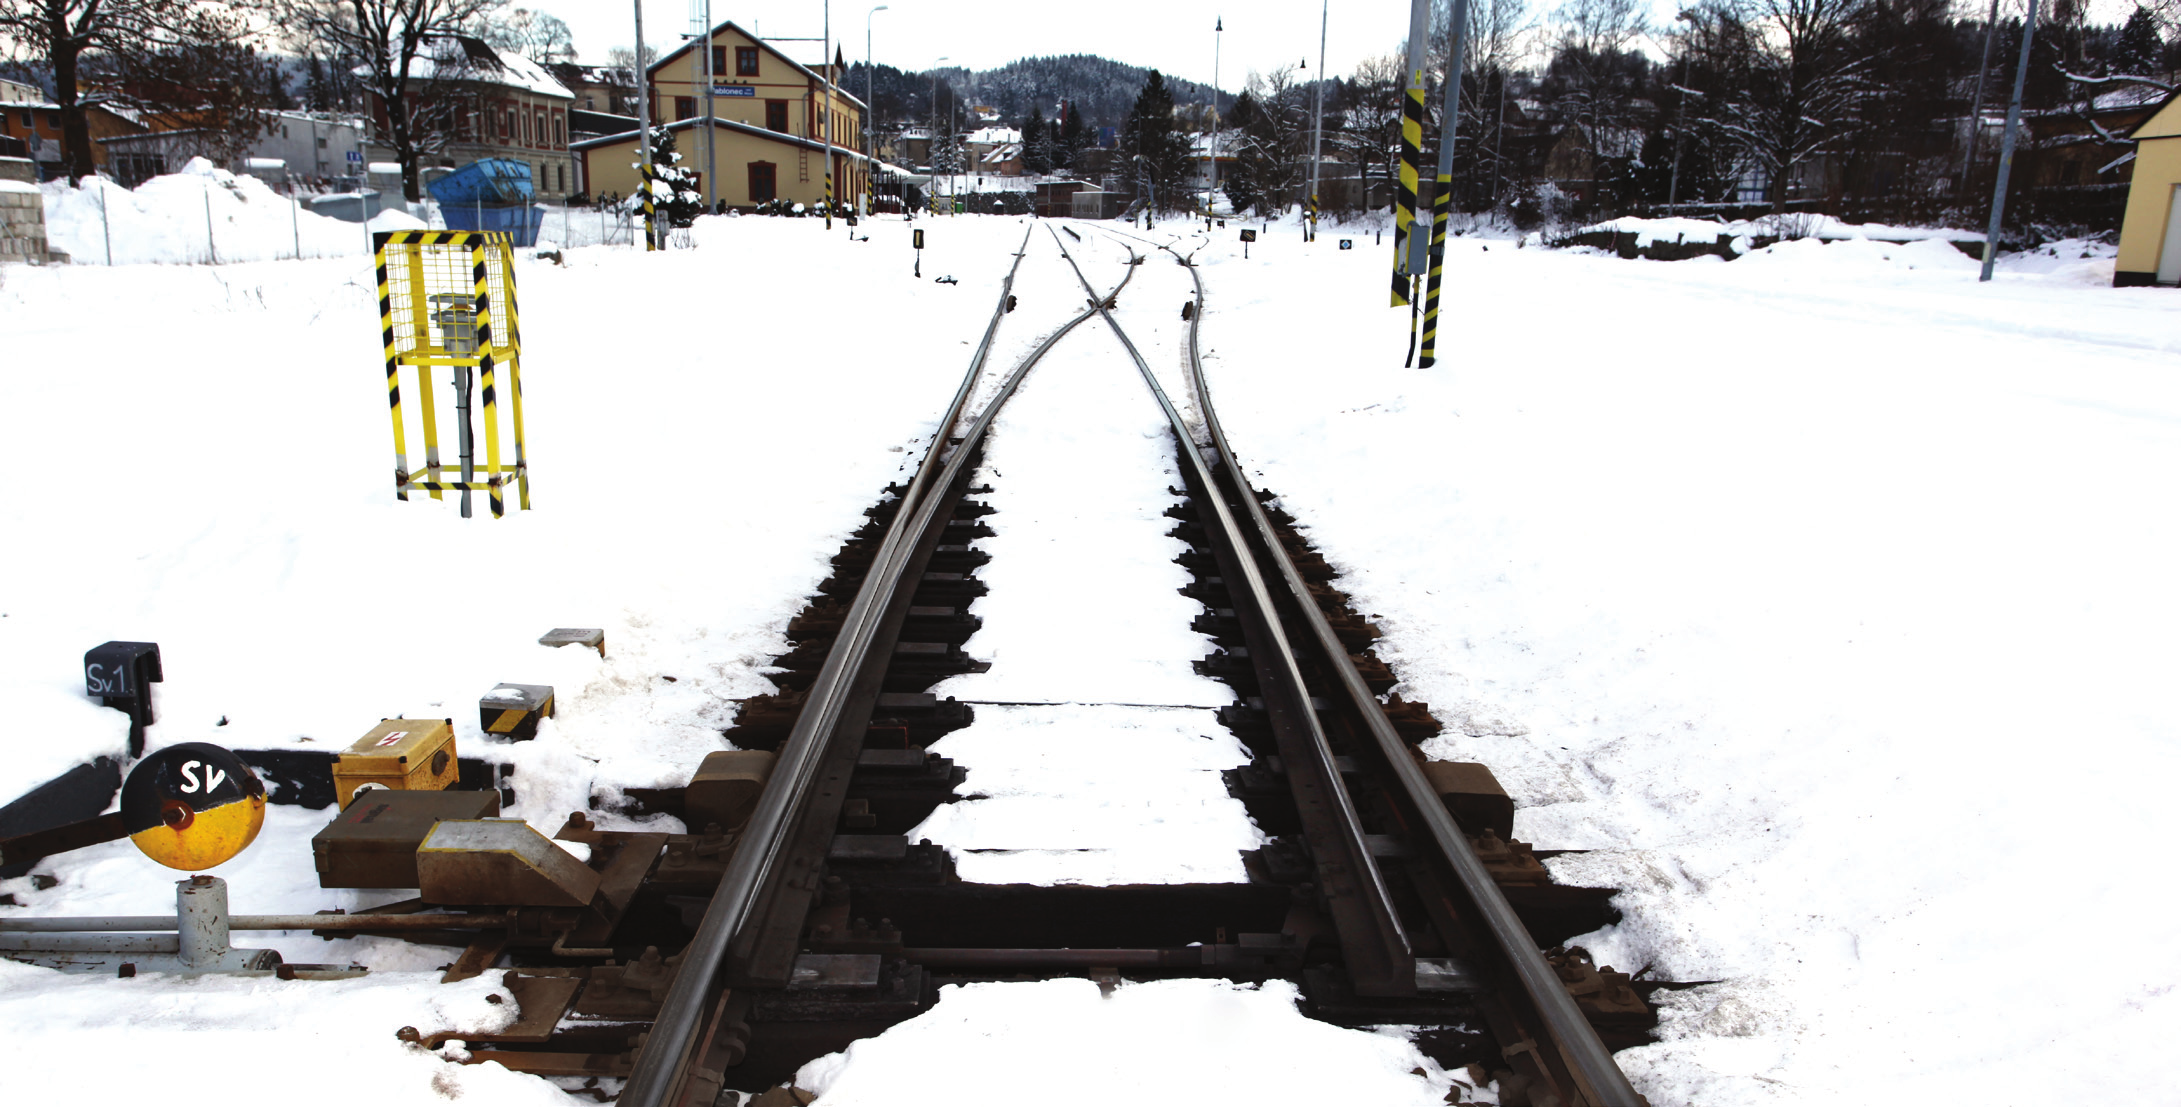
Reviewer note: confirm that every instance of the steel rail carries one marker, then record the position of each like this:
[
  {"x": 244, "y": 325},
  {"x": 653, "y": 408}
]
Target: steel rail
[
  {"x": 101, "y": 924},
  {"x": 1600, "y": 1078},
  {"x": 659, "y": 1063},
  {"x": 1355, "y": 866}
]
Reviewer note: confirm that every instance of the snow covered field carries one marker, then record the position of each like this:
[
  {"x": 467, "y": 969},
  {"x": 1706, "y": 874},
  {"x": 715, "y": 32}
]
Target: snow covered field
[{"x": 1819, "y": 593}]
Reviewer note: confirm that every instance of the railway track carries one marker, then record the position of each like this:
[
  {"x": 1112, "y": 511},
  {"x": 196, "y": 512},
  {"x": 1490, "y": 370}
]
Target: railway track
[{"x": 801, "y": 916}]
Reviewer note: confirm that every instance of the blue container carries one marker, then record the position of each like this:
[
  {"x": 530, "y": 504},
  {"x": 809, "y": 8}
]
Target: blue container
[
  {"x": 487, "y": 181},
  {"x": 520, "y": 222}
]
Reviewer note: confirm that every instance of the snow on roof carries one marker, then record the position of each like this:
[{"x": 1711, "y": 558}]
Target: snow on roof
[
  {"x": 2133, "y": 96},
  {"x": 994, "y": 136},
  {"x": 463, "y": 58},
  {"x": 1001, "y": 154}
]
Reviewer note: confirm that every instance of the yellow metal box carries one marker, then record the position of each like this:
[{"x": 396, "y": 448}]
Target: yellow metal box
[{"x": 414, "y": 755}]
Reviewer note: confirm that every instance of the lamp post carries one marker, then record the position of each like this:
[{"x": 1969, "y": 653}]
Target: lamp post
[
  {"x": 643, "y": 127},
  {"x": 931, "y": 144},
  {"x": 1219, "y": 34},
  {"x": 870, "y": 148},
  {"x": 1317, "y": 117},
  {"x": 825, "y": 114},
  {"x": 711, "y": 160}
]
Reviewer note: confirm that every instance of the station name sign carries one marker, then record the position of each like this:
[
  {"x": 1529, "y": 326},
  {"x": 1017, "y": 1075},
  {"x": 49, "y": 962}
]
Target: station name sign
[{"x": 734, "y": 90}]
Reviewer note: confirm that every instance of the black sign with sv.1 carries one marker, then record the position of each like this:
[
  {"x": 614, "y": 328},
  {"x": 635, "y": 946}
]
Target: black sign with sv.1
[{"x": 1249, "y": 235}]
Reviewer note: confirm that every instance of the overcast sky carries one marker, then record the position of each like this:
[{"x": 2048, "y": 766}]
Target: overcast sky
[{"x": 1172, "y": 35}]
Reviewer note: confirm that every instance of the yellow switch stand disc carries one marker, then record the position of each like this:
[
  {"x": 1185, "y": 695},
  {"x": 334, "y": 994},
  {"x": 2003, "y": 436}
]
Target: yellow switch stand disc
[{"x": 192, "y": 806}]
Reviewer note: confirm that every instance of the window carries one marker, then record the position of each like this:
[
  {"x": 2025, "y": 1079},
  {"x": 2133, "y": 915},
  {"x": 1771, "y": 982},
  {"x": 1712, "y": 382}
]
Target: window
[
  {"x": 321, "y": 142},
  {"x": 776, "y": 116},
  {"x": 719, "y": 60},
  {"x": 510, "y": 134},
  {"x": 526, "y": 130},
  {"x": 685, "y": 107},
  {"x": 541, "y": 126},
  {"x": 745, "y": 61},
  {"x": 560, "y": 137},
  {"x": 761, "y": 182}
]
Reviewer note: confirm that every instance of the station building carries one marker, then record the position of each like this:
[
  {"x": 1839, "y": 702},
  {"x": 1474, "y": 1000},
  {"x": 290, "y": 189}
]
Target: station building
[
  {"x": 2150, "y": 232},
  {"x": 764, "y": 130}
]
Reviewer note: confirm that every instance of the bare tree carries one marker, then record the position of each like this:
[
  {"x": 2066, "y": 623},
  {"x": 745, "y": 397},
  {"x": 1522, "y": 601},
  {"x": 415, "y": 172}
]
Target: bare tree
[
  {"x": 1792, "y": 81},
  {"x": 539, "y": 36},
  {"x": 1372, "y": 135},
  {"x": 625, "y": 58},
  {"x": 1594, "y": 81},
  {"x": 403, "y": 48},
  {"x": 117, "y": 34},
  {"x": 216, "y": 97},
  {"x": 1275, "y": 137}
]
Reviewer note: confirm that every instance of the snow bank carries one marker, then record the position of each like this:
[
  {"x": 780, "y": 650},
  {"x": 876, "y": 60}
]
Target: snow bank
[
  {"x": 203, "y": 214},
  {"x": 1168, "y": 1041},
  {"x": 1830, "y": 618},
  {"x": 1794, "y": 225}
]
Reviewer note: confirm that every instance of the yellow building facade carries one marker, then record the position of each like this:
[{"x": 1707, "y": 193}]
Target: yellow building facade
[
  {"x": 2150, "y": 232},
  {"x": 770, "y": 118}
]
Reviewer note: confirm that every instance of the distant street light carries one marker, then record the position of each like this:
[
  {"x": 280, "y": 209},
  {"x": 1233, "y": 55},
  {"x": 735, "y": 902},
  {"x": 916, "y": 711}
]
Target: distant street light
[{"x": 870, "y": 147}]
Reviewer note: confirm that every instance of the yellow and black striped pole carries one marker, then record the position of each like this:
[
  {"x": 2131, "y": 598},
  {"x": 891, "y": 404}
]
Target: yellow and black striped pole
[
  {"x": 1310, "y": 209},
  {"x": 1442, "y": 203},
  {"x": 1404, "y": 195},
  {"x": 514, "y": 371},
  {"x": 483, "y": 292},
  {"x": 393, "y": 368},
  {"x": 651, "y": 238}
]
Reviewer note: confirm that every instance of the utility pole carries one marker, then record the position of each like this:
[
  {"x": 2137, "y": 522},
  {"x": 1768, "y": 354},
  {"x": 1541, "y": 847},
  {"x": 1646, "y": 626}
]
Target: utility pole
[
  {"x": 1219, "y": 34},
  {"x": 1442, "y": 196},
  {"x": 2006, "y": 145},
  {"x": 643, "y": 128},
  {"x": 1405, "y": 257},
  {"x": 711, "y": 161},
  {"x": 870, "y": 140},
  {"x": 1976, "y": 109},
  {"x": 1317, "y": 119},
  {"x": 825, "y": 114}
]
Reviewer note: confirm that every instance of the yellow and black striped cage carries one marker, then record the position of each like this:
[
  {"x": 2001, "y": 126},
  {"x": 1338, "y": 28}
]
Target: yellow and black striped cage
[{"x": 447, "y": 300}]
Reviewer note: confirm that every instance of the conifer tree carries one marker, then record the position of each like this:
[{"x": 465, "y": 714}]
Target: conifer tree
[
  {"x": 1072, "y": 138},
  {"x": 2140, "y": 48},
  {"x": 1037, "y": 144},
  {"x": 1150, "y": 135},
  {"x": 674, "y": 194}
]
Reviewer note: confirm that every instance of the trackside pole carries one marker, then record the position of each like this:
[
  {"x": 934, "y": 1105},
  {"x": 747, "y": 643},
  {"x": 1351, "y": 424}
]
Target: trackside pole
[
  {"x": 2006, "y": 146},
  {"x": 1412, "y": 140},
  {"x": 1442, "y": 199},
  {"x": 643, "y": 126}
]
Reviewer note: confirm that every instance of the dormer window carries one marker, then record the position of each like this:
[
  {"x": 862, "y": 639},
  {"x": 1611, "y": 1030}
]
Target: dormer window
[{"x": 745, "y": 61}]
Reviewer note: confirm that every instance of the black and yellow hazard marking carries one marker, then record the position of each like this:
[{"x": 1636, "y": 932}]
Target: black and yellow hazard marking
[
  {"x": 1442, "y": 211},
  {"x": 192, "y": 806},
  {"x": 1404, "y": 195},
  {"x": 447, "y": 298},
  {"x": 393, "y": 368},
  {"x": 650, "y": 239}
]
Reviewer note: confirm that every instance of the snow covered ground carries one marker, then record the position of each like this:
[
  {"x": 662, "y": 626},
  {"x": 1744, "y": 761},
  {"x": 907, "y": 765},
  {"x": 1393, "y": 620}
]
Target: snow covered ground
[
  {"x": 205, "y": 215},
  {"x": 1818, "y": 594}
]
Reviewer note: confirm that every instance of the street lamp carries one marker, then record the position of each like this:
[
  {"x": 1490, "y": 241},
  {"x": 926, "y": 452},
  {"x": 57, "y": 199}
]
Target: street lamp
[
  {"x": 869, "y": 147},
  {"x": 931, "y": 144}
]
